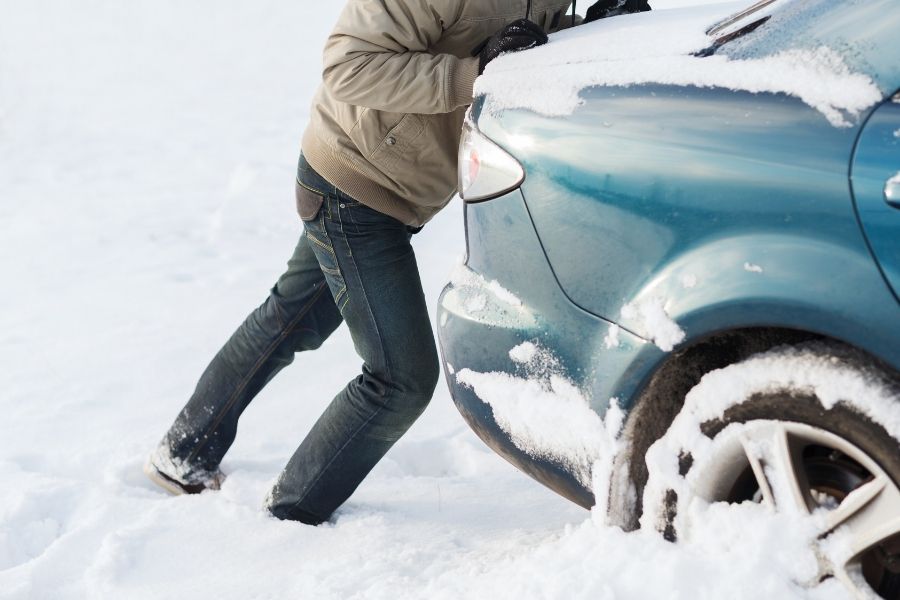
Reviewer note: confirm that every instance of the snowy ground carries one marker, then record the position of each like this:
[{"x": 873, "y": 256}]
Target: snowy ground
[{"x": 147, "y": 154}]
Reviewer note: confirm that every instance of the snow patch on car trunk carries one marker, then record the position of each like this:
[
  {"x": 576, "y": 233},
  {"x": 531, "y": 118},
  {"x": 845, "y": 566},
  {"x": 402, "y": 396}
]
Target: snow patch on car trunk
[{"x": 658, "y": 48}]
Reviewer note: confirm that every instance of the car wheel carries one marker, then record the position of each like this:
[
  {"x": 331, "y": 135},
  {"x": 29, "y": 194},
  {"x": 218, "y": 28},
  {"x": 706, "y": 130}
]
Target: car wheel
[{"x": 809, "y": 430}]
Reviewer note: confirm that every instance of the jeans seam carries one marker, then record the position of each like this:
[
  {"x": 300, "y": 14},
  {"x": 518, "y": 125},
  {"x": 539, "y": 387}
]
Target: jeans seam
[
  {"x": 277, "y": 311},
  {"x": 285, "y": 331},
  {"x": 315, "y": 191},
  {"x": 337, "y": 297},
  {"x": 387, "y": 365},
  {"x": 334, "y": 458},
  {"x": 365, "y": 296},
  {"x": 319, "y": 243}
]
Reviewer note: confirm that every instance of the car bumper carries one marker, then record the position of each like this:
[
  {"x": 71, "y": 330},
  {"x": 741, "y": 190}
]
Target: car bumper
[{"x": 506, "y": 295}]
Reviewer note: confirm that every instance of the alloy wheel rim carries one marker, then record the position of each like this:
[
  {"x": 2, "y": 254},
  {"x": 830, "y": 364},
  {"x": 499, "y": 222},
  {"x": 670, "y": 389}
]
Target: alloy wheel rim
[{"x": 799, "y": 469}]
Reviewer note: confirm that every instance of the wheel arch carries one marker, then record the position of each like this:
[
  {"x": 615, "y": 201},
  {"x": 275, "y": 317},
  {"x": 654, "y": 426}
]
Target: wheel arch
[{"x": 661, "y": 396}]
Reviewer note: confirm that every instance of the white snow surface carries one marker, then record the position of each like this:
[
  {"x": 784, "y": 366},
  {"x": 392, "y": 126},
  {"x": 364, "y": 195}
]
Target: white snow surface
[
  {"x": 657, "y": 47},
  {"x": 463, "y": 276},
  {"x": 752, "y": 268},
  {"x": 688, "y": 281},
  {"x": 147, "y": 156},
  {"x": 651, "y": 314},
  {"x": 813, "y": 369},
  {"x": 547, "y": 416},
  {"x": 550, "y": 420},
  {"x": 611, "y": 340},
  {"x": 525, "y": 352}
]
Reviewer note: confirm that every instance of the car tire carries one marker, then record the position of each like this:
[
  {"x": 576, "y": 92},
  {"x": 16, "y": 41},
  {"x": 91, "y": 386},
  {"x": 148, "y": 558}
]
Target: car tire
[{"x": 800, "y": 429}]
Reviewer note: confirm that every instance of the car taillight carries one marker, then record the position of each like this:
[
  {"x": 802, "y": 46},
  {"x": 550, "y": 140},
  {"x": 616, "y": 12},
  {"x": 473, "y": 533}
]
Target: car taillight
[{"x": 485, "y": 169}]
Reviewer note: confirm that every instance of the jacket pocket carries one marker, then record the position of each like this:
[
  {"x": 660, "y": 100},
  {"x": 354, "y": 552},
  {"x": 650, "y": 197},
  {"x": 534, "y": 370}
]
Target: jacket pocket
[
  {"x": 308, "y": 202},
  {"x": 387, "y": 139}
]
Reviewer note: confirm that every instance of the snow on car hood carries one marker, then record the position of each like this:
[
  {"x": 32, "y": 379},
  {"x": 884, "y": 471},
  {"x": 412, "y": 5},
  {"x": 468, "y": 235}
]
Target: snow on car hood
[{"x": 657, "y": 47}]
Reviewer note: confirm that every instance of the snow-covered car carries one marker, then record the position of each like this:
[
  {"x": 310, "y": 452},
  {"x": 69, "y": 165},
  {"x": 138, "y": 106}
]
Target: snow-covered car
[{"x": 683, "y": 267}]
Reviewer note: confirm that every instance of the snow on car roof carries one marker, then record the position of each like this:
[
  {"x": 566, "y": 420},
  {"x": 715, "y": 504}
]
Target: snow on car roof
[{"x": 658, "y": 47}]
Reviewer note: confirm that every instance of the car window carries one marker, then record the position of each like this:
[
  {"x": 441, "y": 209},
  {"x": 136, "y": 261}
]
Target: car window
[
  {"x": 861, "y": 34},
  {"x": 738, "y": 25},
  {"x": 752, "y": 14}
]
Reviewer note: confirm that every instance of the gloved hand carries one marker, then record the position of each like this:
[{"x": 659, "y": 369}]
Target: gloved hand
[
  {"x": 611, "y": 8},
  {"x": 518, "y": 35}
]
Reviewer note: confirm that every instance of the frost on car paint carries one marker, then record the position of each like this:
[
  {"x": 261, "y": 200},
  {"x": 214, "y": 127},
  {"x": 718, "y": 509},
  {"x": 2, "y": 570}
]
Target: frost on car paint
[
  {"x": 604, "y": 54},
  {"x": 752, "y": 268},
  {"x": 475, "y": 297},
  {"x": 548, "y": 416},
  {"x": 464, "y": 276}
]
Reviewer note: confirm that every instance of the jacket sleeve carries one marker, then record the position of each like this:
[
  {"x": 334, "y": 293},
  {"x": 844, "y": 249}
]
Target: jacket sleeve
[{"x": 378, "y": 57}]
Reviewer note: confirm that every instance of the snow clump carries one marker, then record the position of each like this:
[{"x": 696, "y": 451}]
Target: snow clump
[
  {"x": 524, "y": 352},
  {"x": 688, "y": 281},
  {"x": 604, "y": 53},
  {"x": 651, "y": 314},
  {"x": 815, "y": 369},
  {"x": 895, "y": 179},
  {"x": 463, "y": 276},
  {"x": 547, "y": 416},
  {"x": 612, "y": 337},
  {"x": 752, "y": 268}
]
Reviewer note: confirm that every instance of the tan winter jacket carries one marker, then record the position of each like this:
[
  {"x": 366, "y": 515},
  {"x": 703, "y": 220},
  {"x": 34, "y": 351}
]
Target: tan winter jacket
[{"x": 398, "y": 74}]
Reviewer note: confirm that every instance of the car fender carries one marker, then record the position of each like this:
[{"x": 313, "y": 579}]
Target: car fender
[{"x": 773, "y": 280}]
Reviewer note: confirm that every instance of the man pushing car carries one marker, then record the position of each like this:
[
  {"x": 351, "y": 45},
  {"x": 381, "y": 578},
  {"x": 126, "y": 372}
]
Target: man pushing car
[{"x": 378, "y": 160}]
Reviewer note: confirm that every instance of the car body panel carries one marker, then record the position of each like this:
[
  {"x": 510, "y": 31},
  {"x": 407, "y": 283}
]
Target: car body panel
[
  {"x": 731, "y": 209},
  {"x": 863, "y": 32},
  {"x": 877, "y": 159},
  {"x": 504, "y": 250}
]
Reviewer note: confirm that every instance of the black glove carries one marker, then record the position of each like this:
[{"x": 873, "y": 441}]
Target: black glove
[
  {"x": 518, "y": 35},
  {"x": 611, "y": 8}
]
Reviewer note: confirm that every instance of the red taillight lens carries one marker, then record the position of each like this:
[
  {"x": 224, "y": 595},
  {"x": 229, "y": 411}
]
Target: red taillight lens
[
  {"x": 473, "y": 164},
  {"x": 485, "y": 169}
]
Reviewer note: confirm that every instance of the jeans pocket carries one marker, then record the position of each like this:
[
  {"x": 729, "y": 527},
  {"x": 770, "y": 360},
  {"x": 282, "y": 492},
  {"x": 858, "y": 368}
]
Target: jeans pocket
[
  {"x": 320, "y": 243},
  {"x": 399, "y": 145},
  {"x": 308, "y": 202}
]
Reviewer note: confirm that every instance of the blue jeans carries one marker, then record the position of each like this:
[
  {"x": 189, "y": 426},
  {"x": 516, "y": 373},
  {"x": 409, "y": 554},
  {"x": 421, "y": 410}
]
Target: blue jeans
[{"x": 354, "y": 264}]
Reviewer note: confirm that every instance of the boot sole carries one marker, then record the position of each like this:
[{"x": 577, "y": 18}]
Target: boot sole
[{"x": 162, "y": 481}]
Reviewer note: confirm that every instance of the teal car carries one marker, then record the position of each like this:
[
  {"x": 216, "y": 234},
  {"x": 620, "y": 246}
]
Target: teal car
[{"x": 681, "y": 291}]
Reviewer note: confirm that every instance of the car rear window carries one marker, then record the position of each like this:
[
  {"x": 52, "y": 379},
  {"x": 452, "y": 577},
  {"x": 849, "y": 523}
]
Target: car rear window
[
  {"x": 862, "y": 32},
  {"x": 759, "y": 11}
]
